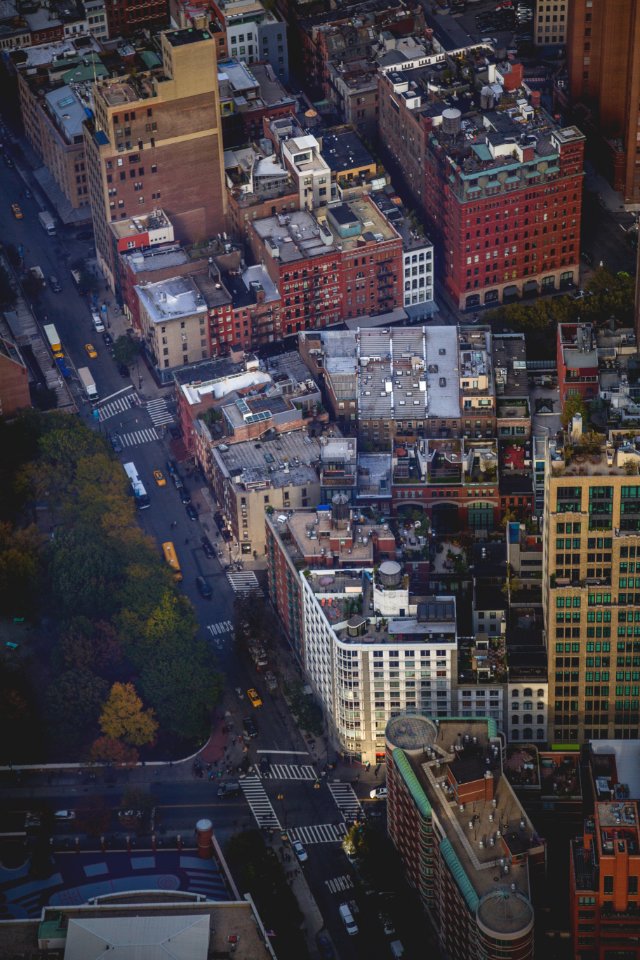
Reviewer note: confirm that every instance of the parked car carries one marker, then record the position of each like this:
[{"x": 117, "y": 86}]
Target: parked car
[
  {"x": 55, "y": 284},
  {"x": 116, "y": 443},
  {"x": 204, "y": 588},
  {"x": 192, "y": 513},
  {"x": 184, "y": 494},
  {"x": 107, "y": 338},
  {"x": 207, "y": 547},
  {"x": 325, "y": 947},
  {"x": 65, "y": 815},
  {"x": 249, "y": 727},
  {"x": 347, "y": 918}
]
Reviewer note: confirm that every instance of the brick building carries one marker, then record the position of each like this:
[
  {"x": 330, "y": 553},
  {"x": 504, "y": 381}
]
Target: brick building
[
  {"x": 125, "y": 17},
  {"x": 604, "y": 82},
  {"x": 466, "y": 843},
  {"x": 500, "y": 183},
  {"x": 155, "y": 141},
  {"x": 14, "y": 380},
  {"x": 344, "y": 261},
  {"x": 577, "y": 361}
]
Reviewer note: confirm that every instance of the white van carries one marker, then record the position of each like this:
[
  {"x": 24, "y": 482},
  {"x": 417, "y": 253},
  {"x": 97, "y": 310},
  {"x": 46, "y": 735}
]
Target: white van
[
  {"x": 347, "y": 918},
  {"x": 97, "y": 321}
]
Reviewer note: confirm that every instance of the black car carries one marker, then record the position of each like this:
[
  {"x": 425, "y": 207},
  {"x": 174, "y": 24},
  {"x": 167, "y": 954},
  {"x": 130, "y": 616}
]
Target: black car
[
  {"x": 325, "y": 947},
  {"x": 192, "y": 513},
  {"x": 207, "y": 546},
  {"x": 107, "y": 338},
  {"x": 123, "y": 370},
  {"x": 249, "y": 727},
  {"x": 55, "y": 285},
  {"x": 171, "y": 467},
  {"x": 177, "y": 481},
  {"x": 204, "y": 588},
  {"x": 116, "y": 443},
  {"x": 184, "y": 495}
]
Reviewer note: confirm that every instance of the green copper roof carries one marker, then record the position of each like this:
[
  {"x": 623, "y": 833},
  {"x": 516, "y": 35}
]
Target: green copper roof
[
  {"x": 405, "y": 770},
  {"x": 450, "y": 857}
]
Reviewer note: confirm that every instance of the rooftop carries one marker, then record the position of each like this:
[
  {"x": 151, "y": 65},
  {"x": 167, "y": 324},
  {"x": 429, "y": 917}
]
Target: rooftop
[
  {"x": 290, "y": 459},
  {"x": 156, "y": 220},
  {"x": 178, "y": 38},
  {"x": 68, "y": 110},
  {"x": 300, "y": 235},
  {"x": 172, "y": 299},
  {"x": 487, "y": 841},
  {"x": 154, "y": 258},
  {"x": 578, "y": 343},
  {"x": 344, "y": 150},
  {"x": 510, "y": 365},
  {"x": 313, "y": 535}
]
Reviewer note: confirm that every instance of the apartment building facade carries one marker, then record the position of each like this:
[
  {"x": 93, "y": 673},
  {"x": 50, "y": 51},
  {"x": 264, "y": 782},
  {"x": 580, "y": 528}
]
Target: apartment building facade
[
  {"x": 499, "y": 181},
  {"x": 590, "y": 592},
  {"x": 602, "y": 44},
  {"x": 155, "y": 141}
]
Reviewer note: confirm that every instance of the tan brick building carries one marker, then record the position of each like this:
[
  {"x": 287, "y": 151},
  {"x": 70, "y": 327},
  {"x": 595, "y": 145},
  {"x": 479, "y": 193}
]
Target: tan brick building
[
  {"x": 156, "y": 141},
  {"x": 591, "y": 597}
]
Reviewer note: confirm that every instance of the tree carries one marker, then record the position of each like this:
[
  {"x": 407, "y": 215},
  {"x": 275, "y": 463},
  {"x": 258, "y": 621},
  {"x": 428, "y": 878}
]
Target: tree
[
  {"x": 184, "y": 688},
  {"x": 72, "y": 707},
  {"x": 572, "y": 406},
  {"x": 108, "y": 750},
  {"x": 20, "y": 562},
  {"x": 125, "y": 350},
  {"x": 87, "y": 645},
  {"x": 84, "y": 570},
  {"x": 124, "y": 718}
]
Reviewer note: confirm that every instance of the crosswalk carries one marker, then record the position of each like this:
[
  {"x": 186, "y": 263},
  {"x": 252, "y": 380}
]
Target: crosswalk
[
  {"x": 157, "y": 410},
  {"x": 346, "y": 800},
  {"x": 319, "y": 833},
  {"x": 244, "y": 581},
  {"x": 289, "y": 771},
  {"x": 259, "y": 802},
  {"x": 220, "y": 629},
  {"x": 136, "y": 437},
  {"x": 114, "y": 407},
  {"x": 339, "y": 884}
]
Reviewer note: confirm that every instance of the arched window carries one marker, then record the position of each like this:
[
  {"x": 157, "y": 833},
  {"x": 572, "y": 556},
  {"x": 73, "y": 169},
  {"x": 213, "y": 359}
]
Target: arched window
[
  {"x": 528, "y": 692},
  {"x": 541, "y": 693},
  {"x": 527, "y": 733},
  {"x": 515, "y": 718}
]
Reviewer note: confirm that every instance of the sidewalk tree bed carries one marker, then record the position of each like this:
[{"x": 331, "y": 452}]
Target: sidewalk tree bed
[
  {"x": 258, "y": 871},
  {"x": 113, "y": 667}
]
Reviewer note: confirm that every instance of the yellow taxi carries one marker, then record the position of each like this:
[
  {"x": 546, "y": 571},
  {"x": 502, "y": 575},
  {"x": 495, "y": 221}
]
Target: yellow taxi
[
  {"x": 91, "y": 350},
  {"x": 159, "y": 478},
  {"x": 254, "y": 696},
  {"x": 16, "y": 211}
]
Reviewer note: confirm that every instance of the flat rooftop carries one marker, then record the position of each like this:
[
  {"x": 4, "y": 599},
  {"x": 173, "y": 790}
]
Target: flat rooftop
[
  {"x": 290, "y": 459},
  {"x": 154, "y": 258},
  {"x": 142, "y": 224},
  {"x": 310, "y": 532},
  {"x": 344, "y": 150},
  {"x": 486, "y": 837},
  {"x": 172, "y": 299},
  {"x": 178, "y": 38},
  {"x": 68, "y": 110},
  {"x": 300, "y": 235}
]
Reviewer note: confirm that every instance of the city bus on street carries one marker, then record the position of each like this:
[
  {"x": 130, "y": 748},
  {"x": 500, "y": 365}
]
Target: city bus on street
[
  {"x": 171, "y": 559},
  {"x": 137, "y": 487}
]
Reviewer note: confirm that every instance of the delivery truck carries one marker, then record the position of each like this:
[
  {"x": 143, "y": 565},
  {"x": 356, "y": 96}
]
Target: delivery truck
[
  {"x": 86, "y": 378},
  {"x": 47, "y": 222},
  {"x": 53, "y": 338}
]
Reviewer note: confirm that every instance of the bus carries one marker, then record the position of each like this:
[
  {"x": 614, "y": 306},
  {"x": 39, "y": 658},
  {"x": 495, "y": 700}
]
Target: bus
[
  {"x": 171, "y": 559},
  {"x": 137, "y": 487}
]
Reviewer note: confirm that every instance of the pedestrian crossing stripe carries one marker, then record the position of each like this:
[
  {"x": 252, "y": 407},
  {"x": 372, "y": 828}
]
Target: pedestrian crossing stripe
[
  {"x": 345, "y": 799},
  {"x": 319, "y": 833},
  {"x": 157, "y": 410},
  {"x": 244, "y": 581},
  {"x": 338, "y": 884},
  {"x": 289, "y": 771},
  {"x": 217, "y": 629},
  {"x": 259, "y": 803},
  {"x": 114, "y": 407},
  {"x": 147, "y": 435}
]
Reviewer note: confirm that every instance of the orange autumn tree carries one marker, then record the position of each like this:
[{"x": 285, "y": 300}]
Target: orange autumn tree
[{"x": 124, "y": 718}]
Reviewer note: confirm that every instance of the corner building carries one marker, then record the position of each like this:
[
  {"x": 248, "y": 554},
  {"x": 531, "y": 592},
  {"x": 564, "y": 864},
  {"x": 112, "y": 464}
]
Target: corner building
[
  {"x": 590, "y": 593},
  {"x": 155, "y": 140},
  {"x": 467, "y": 845}
]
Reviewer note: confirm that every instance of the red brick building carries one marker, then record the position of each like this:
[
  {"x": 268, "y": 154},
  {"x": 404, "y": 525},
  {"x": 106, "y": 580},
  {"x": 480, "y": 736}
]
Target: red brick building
[
  {"x": 14, "y": 381},
  {"x": 127, "y": 16},
  {"x": 501, "y": 188},
  {"x": 577, "y": 361},
  {"x": 346, "y": 261},
  {"x": 604, "y": 884}
]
